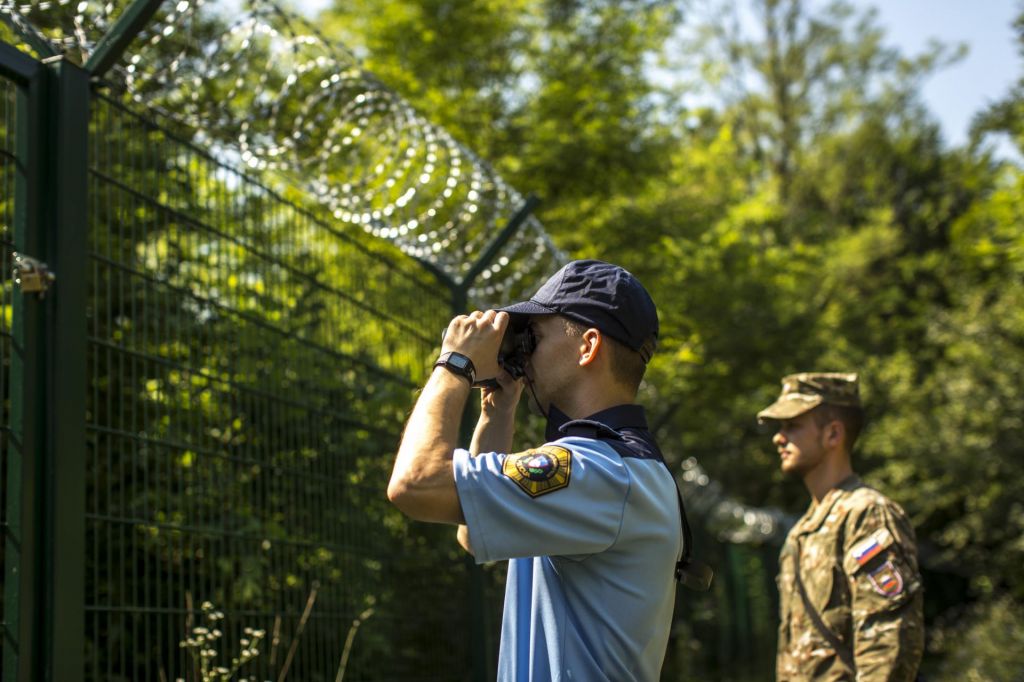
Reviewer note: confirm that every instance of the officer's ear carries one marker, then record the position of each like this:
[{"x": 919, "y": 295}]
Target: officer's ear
[{"x": 591, "y": 343}]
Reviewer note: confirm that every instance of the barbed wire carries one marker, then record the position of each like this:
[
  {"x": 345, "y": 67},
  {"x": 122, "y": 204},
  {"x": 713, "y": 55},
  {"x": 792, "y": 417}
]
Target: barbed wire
[{"x": 262, "y": 89}]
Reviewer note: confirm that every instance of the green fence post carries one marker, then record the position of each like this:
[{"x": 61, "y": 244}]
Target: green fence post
[
  {"x": 45, "y": 542},
  {"x": 479, "y": 649},
  {"x": 64, "y": 552},
  {"x": 27, "y": 382},
  {"x": 741, "y": 638},
  {"x": 492, "y": 250},
  {"x": 45, "y": 564},
  {"x": 481, "y": 645}
]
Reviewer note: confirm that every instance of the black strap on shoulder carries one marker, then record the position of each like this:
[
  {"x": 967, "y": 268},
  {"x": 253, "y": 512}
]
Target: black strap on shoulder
[
  {"x": 812, "y": 613},
  {"x": 693, "y": 574}
]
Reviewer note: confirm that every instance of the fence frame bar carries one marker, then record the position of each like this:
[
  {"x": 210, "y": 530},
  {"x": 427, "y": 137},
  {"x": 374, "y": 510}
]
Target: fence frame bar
[
  {"x": 31, "y": 38},
  {"x": 17, "y": 66},
  {"x": 498, "y": 243},
  {"x": 44, "y": 571},
  {"x": 127, "y": 27},
  {"x": 22, "y": 609},
  {"x": 481, "y": 643},
  {"x": 67, "y": 246}
]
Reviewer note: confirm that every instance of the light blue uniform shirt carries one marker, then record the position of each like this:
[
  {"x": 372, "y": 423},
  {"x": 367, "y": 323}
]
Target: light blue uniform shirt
[{"x": 593, "y": 534}]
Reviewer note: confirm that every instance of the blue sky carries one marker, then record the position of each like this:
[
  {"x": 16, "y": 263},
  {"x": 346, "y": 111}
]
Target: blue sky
[{"x": 985, "y": 75}]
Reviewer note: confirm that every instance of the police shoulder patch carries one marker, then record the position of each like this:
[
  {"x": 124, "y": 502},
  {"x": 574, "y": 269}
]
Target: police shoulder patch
[{"x": 541, "y": 470}]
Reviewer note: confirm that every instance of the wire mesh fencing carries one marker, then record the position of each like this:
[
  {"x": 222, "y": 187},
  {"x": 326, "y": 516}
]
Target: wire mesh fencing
[{"x": 249, "y": 371}]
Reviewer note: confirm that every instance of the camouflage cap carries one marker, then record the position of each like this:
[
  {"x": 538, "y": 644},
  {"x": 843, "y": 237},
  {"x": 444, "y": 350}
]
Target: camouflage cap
[{"x": 803, "y": 392}]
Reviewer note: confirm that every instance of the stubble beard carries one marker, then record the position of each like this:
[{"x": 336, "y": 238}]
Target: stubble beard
[{"x": 805, "y": 462}]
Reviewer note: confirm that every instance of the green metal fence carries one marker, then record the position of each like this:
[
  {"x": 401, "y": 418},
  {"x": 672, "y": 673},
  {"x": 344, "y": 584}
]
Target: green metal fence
[
  {"x": 205, "y": 407},
  {"x": 249, "y": 370}
]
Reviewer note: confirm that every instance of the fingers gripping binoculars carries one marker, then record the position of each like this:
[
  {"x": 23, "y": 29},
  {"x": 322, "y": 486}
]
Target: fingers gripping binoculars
[{"x": 516, "y": 347}]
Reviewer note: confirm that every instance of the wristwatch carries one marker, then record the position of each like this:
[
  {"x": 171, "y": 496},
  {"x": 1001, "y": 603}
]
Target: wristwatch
[{"x": 459, "y": 364}]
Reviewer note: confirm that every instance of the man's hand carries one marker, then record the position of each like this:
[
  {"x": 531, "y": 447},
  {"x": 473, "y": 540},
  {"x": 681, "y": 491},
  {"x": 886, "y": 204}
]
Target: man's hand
[
  {"x": 462, "y": 535},
  {"x": 498, "y": 402},
  {"x": 497, "y": 421},
  {"x": 478, "y": 336},
  {"x": 422, "y": 483}
]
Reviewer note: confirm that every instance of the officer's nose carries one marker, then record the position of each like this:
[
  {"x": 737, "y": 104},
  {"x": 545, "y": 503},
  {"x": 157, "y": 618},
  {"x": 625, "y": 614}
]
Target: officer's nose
[{"x": 778, "y": 439}]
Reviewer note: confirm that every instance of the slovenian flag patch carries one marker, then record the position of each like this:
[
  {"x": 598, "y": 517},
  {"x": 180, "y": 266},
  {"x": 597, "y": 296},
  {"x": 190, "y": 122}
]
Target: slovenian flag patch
[
  {"x": 866, "y": 550},
  {"x": 886, "y": 580}
]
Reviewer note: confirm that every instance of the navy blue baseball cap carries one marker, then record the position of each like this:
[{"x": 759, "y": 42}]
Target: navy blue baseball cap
[{"x": 600, "y": 295}]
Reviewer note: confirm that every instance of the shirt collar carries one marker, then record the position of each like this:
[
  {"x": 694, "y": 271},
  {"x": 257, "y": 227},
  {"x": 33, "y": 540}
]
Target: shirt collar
[
  {"x": 818, "y": 512},
  {"x": 613, "y": 418}
]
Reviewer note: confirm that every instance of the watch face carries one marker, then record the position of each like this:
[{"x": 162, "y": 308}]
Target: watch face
[{"x": 459, "y": 361}]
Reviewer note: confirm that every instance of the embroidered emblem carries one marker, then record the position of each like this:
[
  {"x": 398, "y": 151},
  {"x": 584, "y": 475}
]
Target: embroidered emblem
[
  {"x": 867, "y": 550},
  {"x": 886, "y": 580},
  {"x": 539, "y": 471}
]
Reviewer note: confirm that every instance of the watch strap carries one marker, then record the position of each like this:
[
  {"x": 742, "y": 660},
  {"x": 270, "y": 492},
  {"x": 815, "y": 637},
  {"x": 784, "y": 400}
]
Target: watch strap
[{"x": 459, "y": 364}]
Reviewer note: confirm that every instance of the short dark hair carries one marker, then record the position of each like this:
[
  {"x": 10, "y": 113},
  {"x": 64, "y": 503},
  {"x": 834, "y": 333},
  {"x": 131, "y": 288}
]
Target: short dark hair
[
  {"x": 851, "y": 417},
  {"x": 628, "y": 366}
]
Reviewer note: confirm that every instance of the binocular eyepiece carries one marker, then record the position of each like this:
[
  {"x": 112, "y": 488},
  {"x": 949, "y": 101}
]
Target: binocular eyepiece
[{"x": 517, "y": 345}]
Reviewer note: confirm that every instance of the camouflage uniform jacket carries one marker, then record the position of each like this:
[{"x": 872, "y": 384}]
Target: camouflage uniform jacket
[{"x": 858, "y": 565}]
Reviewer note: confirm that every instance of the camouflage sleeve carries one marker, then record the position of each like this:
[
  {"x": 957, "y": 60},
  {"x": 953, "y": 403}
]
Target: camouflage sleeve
[{"x": 880, "y": 561}]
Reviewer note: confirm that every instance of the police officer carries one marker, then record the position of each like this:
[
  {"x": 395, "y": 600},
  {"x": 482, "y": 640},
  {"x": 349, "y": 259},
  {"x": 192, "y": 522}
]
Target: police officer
[
  {"x": 849, "y": 587},
  {"x": 590, "y": 520}
]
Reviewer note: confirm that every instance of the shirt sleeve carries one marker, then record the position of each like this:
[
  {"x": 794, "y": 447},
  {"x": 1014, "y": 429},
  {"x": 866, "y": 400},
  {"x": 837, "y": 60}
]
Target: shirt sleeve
[
  {"x": 565, "y": 498},
  {"x": 880, "y": 558}
]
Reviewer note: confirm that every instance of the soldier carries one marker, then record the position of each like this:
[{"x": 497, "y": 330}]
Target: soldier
[{"x": 850, "y": 591}]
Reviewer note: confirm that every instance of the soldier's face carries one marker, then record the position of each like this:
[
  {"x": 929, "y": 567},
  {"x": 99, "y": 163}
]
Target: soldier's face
[{"x": 800, "y": 444}]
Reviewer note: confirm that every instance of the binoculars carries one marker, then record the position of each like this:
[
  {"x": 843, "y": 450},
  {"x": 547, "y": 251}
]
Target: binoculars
[{"x": 516, "y": 347}]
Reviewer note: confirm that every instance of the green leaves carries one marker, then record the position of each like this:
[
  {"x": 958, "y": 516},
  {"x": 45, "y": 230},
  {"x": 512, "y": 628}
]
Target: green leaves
[{"x": 791, "y": 205}]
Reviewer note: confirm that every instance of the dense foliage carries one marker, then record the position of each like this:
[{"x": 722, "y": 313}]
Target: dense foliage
[{"x": 772, "y": 174}]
